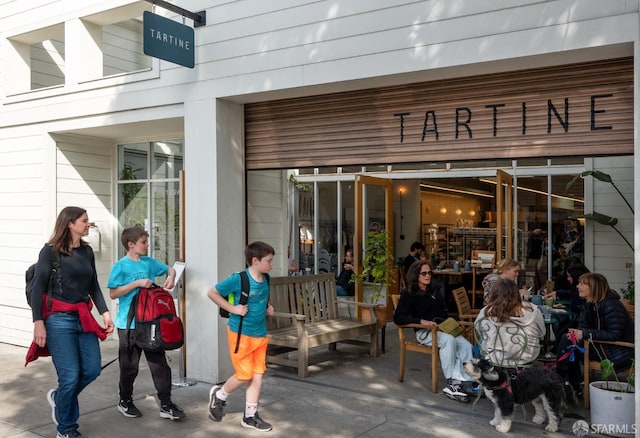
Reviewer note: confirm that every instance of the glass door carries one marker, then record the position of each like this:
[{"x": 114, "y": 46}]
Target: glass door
[
  {"x": 504, "y": 213},
  {"x": 149, "y": 194},
  {"x": 373, "y": 212}
]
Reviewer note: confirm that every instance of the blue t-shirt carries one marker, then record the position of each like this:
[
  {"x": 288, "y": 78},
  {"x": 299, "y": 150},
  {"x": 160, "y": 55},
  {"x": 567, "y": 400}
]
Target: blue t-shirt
[
  {"x": 127, "y": 270},
  {"x": 255, "y": 321}
]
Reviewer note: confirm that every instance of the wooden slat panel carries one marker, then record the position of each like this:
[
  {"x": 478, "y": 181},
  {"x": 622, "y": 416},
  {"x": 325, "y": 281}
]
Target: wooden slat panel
[{"x": 359, "y": 127}]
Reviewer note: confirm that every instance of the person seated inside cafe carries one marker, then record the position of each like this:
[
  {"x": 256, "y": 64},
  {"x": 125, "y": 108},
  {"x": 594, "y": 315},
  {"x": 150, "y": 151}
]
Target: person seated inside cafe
[
  {"x": 505, "y": 268},
  {"x": 509, "y": 329},
  {"x": 566, "y": 288},
  {"x": 416, "y": 252},
  {"x": 344, "y": 286},
  {"x": 603, "y": 317}
]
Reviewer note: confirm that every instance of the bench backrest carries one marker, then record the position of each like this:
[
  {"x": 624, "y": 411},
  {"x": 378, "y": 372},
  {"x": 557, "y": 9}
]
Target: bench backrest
[{"x": 311, "y": 295}]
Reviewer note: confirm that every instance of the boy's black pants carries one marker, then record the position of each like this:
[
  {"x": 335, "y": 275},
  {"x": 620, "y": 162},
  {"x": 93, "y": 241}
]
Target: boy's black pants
[{"x": 129, "y": 359}]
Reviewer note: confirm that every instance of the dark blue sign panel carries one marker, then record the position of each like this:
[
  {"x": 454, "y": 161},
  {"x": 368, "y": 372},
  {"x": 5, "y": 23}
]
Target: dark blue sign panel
[{"x": 168, "y": 40}]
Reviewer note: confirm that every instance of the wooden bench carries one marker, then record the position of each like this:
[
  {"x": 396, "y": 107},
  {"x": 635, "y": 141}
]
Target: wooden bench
[{"x": 306, "y": 316}]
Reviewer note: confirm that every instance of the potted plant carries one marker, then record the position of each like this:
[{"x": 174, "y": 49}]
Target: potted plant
[
  {"x": 628, "y": 293},
  {"x": 612, "y": 401},
  {"x": 377, "y": 267}
]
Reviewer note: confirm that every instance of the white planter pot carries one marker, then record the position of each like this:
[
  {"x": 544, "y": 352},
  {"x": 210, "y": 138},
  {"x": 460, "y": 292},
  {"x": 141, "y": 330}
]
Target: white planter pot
[
  {"x": 368, "y": 290},
  {"x": 612, "y": 411}
]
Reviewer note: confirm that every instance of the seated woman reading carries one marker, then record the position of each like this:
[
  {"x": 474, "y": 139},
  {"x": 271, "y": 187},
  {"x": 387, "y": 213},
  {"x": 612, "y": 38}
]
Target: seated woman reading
[
  {"x": 509, "y": 329},
  {"x": 420, "y": 304}
]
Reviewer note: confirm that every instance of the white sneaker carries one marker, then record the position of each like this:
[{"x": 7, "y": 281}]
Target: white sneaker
[
  {"x": 52, "y": 402},
  {"x": 454, "y": 392}
]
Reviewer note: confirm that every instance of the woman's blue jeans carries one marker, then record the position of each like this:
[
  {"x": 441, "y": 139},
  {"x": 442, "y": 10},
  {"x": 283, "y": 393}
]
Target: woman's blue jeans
[{"x": 76, "y": 356}]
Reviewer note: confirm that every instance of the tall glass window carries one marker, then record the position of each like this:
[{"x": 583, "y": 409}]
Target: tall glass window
[{"x": 149, "y": 194}]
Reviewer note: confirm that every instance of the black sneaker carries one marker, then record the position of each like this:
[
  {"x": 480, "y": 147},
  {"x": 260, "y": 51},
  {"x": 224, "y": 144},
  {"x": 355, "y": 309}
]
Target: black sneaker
[
  {"x": 73, "y": 433},
  {"x": 216, "y": 406},
  {"x": 51, "y": 398},
  {"x": 128, "y": 409},
  {"x": 454, "y": 392},
  {"x": 172, "y": 412},
  {"x": 256, "y": 423}
]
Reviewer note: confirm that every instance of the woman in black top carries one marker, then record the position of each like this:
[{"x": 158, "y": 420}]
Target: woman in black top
[
  {"x": 66, "y": 326},
  {"x": 420, "y": 304},
  {"x": 344, "y": 286}
]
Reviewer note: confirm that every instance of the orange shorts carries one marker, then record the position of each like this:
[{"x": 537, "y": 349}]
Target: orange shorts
[{"x": 251, "y": 357}]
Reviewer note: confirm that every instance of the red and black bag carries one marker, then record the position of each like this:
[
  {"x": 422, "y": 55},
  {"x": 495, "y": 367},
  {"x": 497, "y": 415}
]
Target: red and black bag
[{"x": 158, "y": 327}]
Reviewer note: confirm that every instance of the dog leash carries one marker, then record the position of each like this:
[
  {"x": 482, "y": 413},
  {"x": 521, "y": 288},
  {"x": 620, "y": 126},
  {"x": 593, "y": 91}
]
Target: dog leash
[
  {"x": 570, "y": 353},
  {"x": 109, "y": 363}
]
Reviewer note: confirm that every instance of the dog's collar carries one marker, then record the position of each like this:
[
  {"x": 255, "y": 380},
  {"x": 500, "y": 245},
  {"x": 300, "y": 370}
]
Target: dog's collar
[{"x": 505, "y": 384}]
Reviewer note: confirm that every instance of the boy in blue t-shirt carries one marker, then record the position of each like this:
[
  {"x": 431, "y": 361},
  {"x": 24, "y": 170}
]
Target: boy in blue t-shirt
[
  {"x": 249, "y": 362},
  {"x": 128, "y": 275}
]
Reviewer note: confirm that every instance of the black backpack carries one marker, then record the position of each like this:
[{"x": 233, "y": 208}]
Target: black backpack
[
  {"x": 245, "y": 288},
  {"x": 56, "y": 270}
]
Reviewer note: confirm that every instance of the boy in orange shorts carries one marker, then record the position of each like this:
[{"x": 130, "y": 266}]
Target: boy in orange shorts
[{"x": 249, "y": 361}]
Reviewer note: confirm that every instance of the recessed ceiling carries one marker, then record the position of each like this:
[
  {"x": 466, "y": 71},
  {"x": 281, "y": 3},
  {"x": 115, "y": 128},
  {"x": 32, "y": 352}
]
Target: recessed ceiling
[{"x": 152, "y": 129}]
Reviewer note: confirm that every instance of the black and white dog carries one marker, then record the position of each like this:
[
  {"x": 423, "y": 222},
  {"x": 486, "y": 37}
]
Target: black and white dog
[{"x": 543, "y": 387}]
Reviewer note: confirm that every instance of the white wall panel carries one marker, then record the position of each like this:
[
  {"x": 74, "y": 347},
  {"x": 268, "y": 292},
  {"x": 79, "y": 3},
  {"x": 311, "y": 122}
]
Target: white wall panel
[
  {"x": 612, "y": 253},
  {"x": 268, "y": 46},
  {"x": 84, "y": 179},
  {"x": 22, "y": 196}
]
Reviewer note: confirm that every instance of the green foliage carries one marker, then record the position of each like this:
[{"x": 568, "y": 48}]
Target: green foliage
[
  {"x": 607, "y": 370},
  {"x": 377, "y": 263},
  {"x": 129, "y": 191},
  {"x": 302, "y": 187},
  {"x": 606, "y": 367},
  {"x": 629, "y": 292}
]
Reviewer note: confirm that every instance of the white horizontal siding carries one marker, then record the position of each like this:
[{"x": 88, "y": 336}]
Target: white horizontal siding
[
  {"x": 15, "y": 323},
  {"x": 84, "y": 178},
  {"x": 47, "y": 64},
  {"x": 266, "y": 46},
  {"x": 266, "y": 213},
  {"x": 122, "y": 47},
  {"x": 22, "y": 223},
  {"x": 612, "y": 252}
]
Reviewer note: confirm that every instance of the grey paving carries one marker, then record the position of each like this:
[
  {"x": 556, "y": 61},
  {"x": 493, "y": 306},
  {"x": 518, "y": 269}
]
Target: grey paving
[{"x": 348, "y": 394}]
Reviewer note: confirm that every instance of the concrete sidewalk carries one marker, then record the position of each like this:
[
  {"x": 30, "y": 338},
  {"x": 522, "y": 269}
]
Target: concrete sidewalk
[{"x": 349, "y": 394}]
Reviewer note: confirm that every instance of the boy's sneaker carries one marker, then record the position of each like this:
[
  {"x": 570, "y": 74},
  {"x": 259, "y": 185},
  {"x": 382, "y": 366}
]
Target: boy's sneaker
[
  {"x": 73, "y": 433},
  {"x": 454, "y": 391},
  {"x": 256, "y": 423},
  {"x": 216, "y": 406},
  {"x": 51, "y": 398},
  {"x": 171, "y": 411},
  {"x": 128, "y": 409}
]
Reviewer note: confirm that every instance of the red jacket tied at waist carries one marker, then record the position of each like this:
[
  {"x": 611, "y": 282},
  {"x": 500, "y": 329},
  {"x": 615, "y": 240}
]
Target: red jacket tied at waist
[{"x": 87, "y": 321}]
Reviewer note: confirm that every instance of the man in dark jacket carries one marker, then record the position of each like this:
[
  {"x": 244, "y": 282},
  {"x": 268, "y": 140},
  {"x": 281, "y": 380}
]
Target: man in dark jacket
[{"x": 415, "y": 253}]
